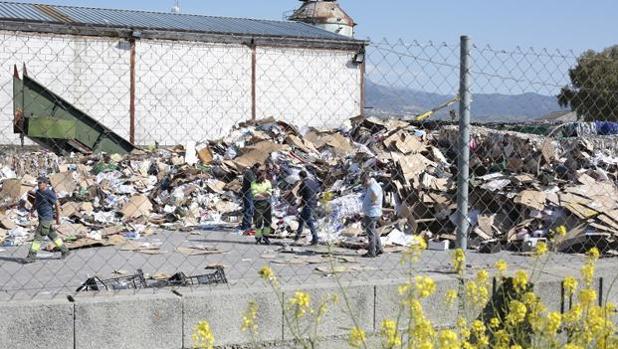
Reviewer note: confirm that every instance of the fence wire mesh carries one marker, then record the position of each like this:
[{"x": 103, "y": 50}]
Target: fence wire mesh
[{"x": 147, "y": 146}]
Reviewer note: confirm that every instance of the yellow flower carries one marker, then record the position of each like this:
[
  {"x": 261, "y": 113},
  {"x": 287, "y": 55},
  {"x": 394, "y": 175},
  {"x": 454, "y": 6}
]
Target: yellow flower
[
  {"x": 517, "y": 312},
  {"x": 425, "y": 286},
  {"x": 570, "y": 285},
  {"x": 478, "y": 327},
  {"x": 403, "y": 289},
  {"x": 267, "y": 274},
  {"x": 540, "y": 249},
  {"x": 502, "y": 338},
  {"x": 423, "y": 330},
  {"x": 462, "y": 326},
  {"x": 594, "y": 254},
  {"x": 516, "y": 346},
  {"x": 448, "y": 340},
  {"x": 520, "y": 281},
  {"x": 459, "y": 260},
  {"x": 416, "y": 308},
  {"x": 482, "y": 276},
  {"x": 529, "y": 298},
  {"x": 202, "y": 336},
  {"x": 450, "y": 297},
  {"x": 501, "y": 266},
  {"x": 561, "y": 230},
  {"x": 554, "y": 319},
  {"x": 390, "y": 334},
  {"x": 573, "y": 315},
  {"x": 301, "y": 303},
  {"x": 573, "y": 346},
  {"x": 415, "y": 250},
  {"x": 248, "y": 320},
  {"x": 587, "y": 272},
  {"x": 357, "y": 337},
  {"x": 587, "y": 296},
  {"x": 494, "y": 322}
]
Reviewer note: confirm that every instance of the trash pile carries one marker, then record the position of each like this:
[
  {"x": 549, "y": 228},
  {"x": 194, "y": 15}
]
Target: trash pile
[
  {"x": 525, "y": 186},
  {"x": 522, "y": 186}
]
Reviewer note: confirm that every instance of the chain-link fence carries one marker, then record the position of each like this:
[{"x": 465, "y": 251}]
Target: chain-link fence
[{"x": 150, "y": 146}]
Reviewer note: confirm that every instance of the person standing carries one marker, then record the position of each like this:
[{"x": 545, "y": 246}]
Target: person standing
[
  {"x": 262, "y": 189},
  {"x": 247, "y": 198},
  {"x": 308, "y": 191},
  {"x": 45, "y": 203},
  {"x": 372, "y": 211}
]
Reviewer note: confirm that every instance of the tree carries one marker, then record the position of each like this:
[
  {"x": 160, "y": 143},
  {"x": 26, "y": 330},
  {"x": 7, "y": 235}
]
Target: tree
[{"x": 593, "y": 92}]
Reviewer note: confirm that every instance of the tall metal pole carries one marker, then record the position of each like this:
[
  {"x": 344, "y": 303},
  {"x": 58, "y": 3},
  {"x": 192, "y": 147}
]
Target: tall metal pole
[{"x": 464, "y": 144}]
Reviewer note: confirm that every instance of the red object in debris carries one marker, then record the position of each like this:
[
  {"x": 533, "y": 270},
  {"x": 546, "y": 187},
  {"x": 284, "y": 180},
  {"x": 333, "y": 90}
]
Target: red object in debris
[{"x": 249, "y": 232}]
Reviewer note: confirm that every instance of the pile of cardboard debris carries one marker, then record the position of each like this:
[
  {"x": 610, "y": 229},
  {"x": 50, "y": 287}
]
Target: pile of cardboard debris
[{"x": 522, "y": 186}]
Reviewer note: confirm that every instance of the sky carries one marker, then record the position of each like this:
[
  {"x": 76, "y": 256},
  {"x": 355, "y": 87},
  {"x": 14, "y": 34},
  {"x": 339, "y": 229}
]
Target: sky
[{"x": 575, "y": 25}]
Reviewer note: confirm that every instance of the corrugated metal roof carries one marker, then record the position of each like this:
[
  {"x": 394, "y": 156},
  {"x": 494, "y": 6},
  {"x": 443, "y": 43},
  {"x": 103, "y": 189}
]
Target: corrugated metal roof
[{"x": 161, "y": 21}]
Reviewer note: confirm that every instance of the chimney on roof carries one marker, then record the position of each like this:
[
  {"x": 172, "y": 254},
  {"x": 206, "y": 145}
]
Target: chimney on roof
[{"x": 325, "y": 14}]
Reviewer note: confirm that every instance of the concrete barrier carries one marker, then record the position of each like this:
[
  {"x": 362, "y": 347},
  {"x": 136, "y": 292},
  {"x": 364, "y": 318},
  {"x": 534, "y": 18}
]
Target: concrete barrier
[
  {"x": 131, "y": 322},
  {"x": 224, "y": 309},
  {"x": 388, "y": 301},
  {"x": 165, "y": 320},
  {"x": 338, "y": 320},
  {"x": 36, "y": 324}
]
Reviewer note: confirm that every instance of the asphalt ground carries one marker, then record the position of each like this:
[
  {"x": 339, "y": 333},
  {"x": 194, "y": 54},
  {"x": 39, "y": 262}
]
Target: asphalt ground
[{"x": 51, "y": 276}]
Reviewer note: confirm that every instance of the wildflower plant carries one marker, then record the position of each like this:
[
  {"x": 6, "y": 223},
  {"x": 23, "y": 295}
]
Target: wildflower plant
[
  {"x": 202, "y": 336},
  {"x": 512, "y": 317}
]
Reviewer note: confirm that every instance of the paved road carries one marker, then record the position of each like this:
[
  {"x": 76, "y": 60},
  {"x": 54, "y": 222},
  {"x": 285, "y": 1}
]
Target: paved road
[{"x": 242, "y": 259}]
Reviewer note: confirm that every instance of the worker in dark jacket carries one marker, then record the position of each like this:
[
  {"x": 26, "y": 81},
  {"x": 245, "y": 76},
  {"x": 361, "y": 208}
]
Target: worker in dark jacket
[
  {"x": 309, "y": 191},
  {"x": 262, "y": 190},
  {"x": 47, "y": 207},
  {"x": 247, "y": 199}
]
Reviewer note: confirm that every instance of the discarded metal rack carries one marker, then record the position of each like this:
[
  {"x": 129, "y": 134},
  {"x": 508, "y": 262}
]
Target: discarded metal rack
[{"x": 138, "y": 281}]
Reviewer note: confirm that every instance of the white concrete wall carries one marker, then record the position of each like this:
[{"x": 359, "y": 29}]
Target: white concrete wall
[
  {"x": 91, "y": 73},
  {"x": 185, "y": 90},
  {"x": 318, "y": 88},
  {"x": 190, "y": 91}
]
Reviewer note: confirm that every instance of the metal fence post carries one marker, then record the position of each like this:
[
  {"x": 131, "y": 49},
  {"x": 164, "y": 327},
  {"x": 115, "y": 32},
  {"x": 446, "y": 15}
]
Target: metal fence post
[{"x": 464, "y": 142}]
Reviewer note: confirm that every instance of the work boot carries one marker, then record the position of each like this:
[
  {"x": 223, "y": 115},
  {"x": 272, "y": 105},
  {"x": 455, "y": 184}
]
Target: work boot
[
  {"x": 31, "y": 258},
  {"x": 64, "y": 252},
  {"x": 315, "y": 242},
  {"x": 266, "y": 240}
]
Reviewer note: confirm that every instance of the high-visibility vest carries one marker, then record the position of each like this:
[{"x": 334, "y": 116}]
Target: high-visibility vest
[{"x": 261, "y": 188}]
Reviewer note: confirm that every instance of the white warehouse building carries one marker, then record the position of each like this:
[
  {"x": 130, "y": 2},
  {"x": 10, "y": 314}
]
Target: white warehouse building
[{"x": 172, "y": 78}]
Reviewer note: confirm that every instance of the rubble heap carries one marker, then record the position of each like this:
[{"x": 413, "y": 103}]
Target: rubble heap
[{"x": 522, "y": 186}]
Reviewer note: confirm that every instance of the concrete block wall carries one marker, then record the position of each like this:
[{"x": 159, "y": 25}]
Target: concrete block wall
[
  {"x": 89, "y": 72},
  {"x": 166, "y": 320},
  {"x": 184, "y": 90},
  {"x": 190, "y": 90},
  {"x": 319, "y": 88}
]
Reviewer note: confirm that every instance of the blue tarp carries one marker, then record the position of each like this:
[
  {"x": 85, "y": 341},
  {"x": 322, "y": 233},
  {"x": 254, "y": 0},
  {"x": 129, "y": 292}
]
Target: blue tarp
[{"x": 605, "y": 128}]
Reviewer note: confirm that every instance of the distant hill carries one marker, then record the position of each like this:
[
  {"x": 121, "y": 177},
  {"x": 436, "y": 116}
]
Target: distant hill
[{"x": 387, "y": 101}]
